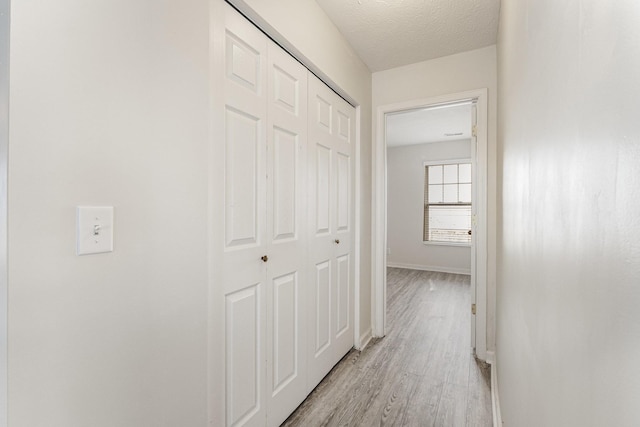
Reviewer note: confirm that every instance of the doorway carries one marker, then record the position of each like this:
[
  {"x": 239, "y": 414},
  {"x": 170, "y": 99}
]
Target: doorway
[{"x": 478, "y": 267}]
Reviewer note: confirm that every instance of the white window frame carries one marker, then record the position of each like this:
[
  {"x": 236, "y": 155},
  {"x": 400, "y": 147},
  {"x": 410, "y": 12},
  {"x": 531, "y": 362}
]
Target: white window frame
[{"x": 446, "y": 162}]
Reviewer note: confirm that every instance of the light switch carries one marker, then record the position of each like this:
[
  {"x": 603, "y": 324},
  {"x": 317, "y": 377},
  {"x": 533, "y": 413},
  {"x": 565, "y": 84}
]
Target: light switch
[{"x": 94, "y": 229}]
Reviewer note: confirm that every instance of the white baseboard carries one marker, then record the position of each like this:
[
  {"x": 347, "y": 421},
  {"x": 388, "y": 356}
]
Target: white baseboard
[
  {"x": 495, "y": 396},
  {"x": 438, "y": 269},
  {"x": 365, "y": 339}
]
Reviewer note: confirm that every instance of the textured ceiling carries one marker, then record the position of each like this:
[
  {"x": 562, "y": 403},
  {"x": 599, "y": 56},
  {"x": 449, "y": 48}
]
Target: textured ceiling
[
  {"x": 429, "y": 125},
  {"x": 391, "y": 33}
]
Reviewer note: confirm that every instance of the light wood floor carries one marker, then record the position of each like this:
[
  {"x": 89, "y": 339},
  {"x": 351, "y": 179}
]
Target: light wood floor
[{"x": 421, "y": 374}]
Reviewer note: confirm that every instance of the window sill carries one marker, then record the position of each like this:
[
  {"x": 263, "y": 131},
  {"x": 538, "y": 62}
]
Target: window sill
[{"x": 463, "y": 245}]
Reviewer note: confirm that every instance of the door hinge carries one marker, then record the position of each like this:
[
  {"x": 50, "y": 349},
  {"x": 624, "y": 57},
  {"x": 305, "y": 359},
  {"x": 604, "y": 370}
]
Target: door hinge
[
  {"x": 474, "y": 131},
  {"x": 473, "y": 309}
]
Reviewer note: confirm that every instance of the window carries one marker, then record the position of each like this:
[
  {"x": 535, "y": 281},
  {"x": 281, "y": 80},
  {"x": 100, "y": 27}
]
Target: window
[{"x": 447, "y": 202}]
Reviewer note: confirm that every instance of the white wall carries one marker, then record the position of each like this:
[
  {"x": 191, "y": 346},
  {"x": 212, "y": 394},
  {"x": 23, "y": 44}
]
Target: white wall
[
  {"x": 109, "y": 106},
  {"x": 568, "y": 340},
  {"x": 304, "y": 29},
  {"x": 451, "y": 74},
  {"x": 405, "y": 207}
]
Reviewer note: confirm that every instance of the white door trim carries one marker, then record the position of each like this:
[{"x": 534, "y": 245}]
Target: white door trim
[
  {"x": 4, "y": 144},
  {"x": 379, "y": 212},
  {"x": 355, "y": 248}
]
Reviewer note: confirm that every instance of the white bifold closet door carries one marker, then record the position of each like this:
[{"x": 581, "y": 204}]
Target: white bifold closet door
[
  {"x": 280, "y": 317},
  {"x": 286, "y": 235},
  {"x": 331, "y": 151}
]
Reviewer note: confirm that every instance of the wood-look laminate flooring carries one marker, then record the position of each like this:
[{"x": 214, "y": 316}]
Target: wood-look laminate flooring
[{"x": 421, "y": 374}]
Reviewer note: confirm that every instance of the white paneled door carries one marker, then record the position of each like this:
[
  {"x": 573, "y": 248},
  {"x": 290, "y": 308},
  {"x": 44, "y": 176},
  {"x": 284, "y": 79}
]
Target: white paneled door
[
  {"x": 331, "y": 151},
  {"x": 240, "y": 219},
  {"x": 286, "y": 234},
  {"x": 282, "y": 228}
]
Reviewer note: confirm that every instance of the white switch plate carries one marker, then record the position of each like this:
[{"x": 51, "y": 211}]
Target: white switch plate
[{"x": 94, "y": 230}]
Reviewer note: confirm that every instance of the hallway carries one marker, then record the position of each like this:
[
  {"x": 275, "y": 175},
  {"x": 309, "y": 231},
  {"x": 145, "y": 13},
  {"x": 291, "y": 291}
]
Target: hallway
[{"x": 420, "y": 374}]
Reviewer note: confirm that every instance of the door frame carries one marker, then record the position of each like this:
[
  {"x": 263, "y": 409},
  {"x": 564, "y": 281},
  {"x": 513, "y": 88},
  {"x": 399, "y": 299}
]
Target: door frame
[{"x": 379, "y": 212}]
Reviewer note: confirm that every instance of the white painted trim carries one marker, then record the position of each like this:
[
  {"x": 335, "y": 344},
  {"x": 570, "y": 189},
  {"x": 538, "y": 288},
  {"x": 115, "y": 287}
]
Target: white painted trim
[
  {"x": 495, "y": 397},
  {"x": 379, "y": 213},
  {"x": 491, "y": 357},
  {"x": 4, "y": 147},
  {"x": 357, "y": 339},
  {"x": 379, "y": 227},
  {"x": 435, "y": 268},
  {"x": 365, "y": 339}
]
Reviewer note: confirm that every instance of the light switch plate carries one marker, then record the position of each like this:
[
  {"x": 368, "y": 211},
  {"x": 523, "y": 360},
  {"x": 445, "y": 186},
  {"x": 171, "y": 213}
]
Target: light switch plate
[{"x": 94, "y": 230}]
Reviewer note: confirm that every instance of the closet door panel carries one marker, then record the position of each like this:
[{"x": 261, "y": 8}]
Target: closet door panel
[
  {"x": 321, "y": 189},
  {"x": 239, "y": 224},
  {"x": 331, "y": 154},
  {"x": 344, "y": 148},
  {"x": 286, "y": 234}
]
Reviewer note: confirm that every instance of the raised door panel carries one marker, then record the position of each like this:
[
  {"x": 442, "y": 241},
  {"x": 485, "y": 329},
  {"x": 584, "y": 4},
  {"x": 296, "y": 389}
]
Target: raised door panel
[
  {"x": 286, "y": 308},
  {"x": 243, "y": 179},
  {"x": 344, "y": 123},
  {"x": 322, "y": 308},
  {"x": 343, "y": 297},
  {"x": 343, "y": 196},
  {"x": 322, "y": 194},
  {"x": 287, "y": 89},
  {"x": 286, "y": 185},
  {"x": 323, "y": 114},
  {"x": 243, "y": 62},
  {"x": 243, "y": 356}
]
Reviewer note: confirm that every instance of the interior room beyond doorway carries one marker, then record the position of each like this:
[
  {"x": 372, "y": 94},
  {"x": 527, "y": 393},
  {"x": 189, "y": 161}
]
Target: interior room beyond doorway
[{"x": 429, "y": 188}]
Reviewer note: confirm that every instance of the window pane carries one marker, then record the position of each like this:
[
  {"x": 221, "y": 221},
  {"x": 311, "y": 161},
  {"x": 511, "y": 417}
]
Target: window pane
[
  {"x": 449, "y": 224},
  {"x": 435, "y": 194},
  {"x": 450, "y": 193},
  {"x": 465, "y": 172},
  {"x": 435, "y": 174},
  {"x": 450, "y": 174},
  {"x": 465, "y": 193}
]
